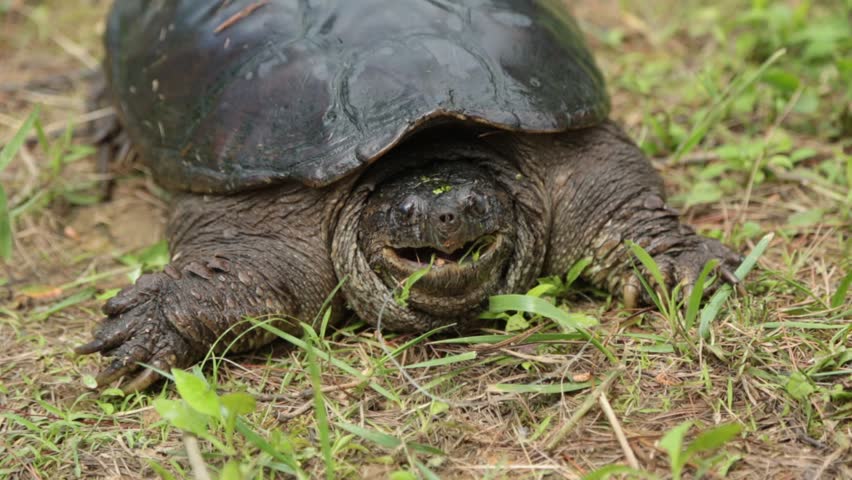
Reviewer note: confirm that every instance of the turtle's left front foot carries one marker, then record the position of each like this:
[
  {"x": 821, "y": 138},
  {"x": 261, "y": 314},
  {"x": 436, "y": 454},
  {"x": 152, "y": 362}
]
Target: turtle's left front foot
[{"x": 681, "y": 257}]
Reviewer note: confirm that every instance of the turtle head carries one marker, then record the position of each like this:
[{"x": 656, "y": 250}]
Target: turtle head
[{"x": 450, "y": 221}]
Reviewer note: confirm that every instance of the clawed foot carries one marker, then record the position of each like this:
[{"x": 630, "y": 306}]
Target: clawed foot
[
  {"x": 137, "y": 331},
  {"x": 682, "y": 265}
]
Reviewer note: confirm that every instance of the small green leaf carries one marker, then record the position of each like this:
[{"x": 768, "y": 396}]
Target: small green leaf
[
  {"x": 701, "y": 193},
  {"x": 781, "y": 80},
  {"x": 437, "y": 407},
  {"x": 107, "y": 407},
  {"x": 238, "y": 403},
  {"x": 231, "y": 471},
  {"x": 90, "y": 382},
  {"x": 799, "y": 387},
  {"x": 181, "y": 416},
  {"x": 672, "y": 442},
  {"x": 516, "y": 323},
  {"x": 806, "y": 218},
  {"x": 197, "y": 393},
  {"x": 713, "y": 439},
  {"x": 402, "y": 475}
]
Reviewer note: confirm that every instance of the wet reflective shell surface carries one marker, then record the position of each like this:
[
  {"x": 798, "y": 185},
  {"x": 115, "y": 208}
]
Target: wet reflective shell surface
[{"x": 221, "y": 96}]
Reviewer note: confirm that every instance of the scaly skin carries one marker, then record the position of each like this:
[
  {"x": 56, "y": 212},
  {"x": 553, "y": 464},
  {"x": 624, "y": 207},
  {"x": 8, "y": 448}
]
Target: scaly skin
[
  {"x": 258, "y": 254},
  {"x": 551, "y": 198}
]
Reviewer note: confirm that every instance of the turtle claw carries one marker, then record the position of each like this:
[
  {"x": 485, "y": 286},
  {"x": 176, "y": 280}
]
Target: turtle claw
[
  {"x": 136, "y": 332},
  {"x": 97, "y": 345},
  {"x": 632, "y": 293},
  {"x": 682, "y": 266}
]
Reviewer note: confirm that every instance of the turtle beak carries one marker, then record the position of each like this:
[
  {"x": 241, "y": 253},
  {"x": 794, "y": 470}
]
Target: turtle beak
[{"x": 408, "y": 260}]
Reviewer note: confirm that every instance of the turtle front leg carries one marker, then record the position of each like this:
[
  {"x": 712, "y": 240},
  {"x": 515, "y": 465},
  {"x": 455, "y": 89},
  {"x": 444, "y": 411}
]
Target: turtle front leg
[
  {"x": 261, "y": 254},
  {"x": 605, "y": 193}
]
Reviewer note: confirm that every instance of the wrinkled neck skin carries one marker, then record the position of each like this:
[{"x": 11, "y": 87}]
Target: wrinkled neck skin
[{"x": 452, "y": 205}]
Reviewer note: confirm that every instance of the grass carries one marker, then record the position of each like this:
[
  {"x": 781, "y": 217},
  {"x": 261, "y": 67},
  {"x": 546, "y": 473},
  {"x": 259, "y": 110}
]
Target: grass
[{"x": 745, "y": 106}]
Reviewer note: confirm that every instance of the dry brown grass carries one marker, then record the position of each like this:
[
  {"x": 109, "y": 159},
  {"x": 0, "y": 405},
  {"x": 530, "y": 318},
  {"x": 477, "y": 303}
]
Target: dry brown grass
[{"x": 51, "y": 426}]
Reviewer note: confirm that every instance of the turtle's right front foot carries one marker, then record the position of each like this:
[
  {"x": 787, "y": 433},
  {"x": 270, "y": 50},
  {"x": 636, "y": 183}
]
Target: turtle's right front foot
[{"x": 137, "y": 330}]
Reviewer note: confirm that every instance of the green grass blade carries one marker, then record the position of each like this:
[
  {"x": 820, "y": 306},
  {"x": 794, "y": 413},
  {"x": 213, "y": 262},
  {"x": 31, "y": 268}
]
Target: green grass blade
[
  {"x": 803, "y": 325},
  {"x": 694, "y": 301},
  {"x": 576, "y": 270},
  {"x": 538, "y": 306},
  {"x": 713, "y": 439},
  {"x": 450, "y": 359},
  {"x": 839, "y": 296},
  {"x": 736, "y": 88},
  {"x": 6, "y": 155},
  {"x": 618, "y": 471},
  {"x": 672, "y": 442},
  {"x": 320, "y": 413},
  {"x": 648, "y": 262},
  {"x": 264, "y": 446},
  {"x": 425, "y": 471},
  {"x": 5, "y": 227},
  {"x": 69, "y": 301},
  {"x": 401, "y": 297},
  {"x": 492, "y": 339},
  {"x": 381, "y": 439},
  {"x": 11, "y": 149},
  {"x": 711, "y": 310},
  {"x": 303, "y": 345},
  {"x": 563, "y": 387}
]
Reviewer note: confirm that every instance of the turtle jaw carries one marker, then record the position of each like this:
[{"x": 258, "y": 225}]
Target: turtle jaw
[
  {"x": 445, "y": 259},
  {"x": 470, "y": 270}
]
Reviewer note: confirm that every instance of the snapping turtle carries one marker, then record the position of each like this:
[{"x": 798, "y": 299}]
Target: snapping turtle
[{"x": 312, "y": 143}]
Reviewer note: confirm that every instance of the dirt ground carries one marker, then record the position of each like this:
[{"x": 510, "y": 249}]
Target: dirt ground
[{"x": 779, "y": 364}]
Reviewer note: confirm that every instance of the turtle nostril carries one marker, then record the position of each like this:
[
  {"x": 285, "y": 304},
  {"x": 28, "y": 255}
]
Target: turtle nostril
[{"x": 446, "y": 218}]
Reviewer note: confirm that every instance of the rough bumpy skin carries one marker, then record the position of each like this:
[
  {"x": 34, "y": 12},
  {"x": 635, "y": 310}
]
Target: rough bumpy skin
[
  {"x": 539, "y": 202},
  {"x": 254, "y": 255}
]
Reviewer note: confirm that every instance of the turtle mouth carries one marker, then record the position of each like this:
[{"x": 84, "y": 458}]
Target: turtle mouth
[
  {"x": 449, "y": 272},
  {"x": 471, "y": 252}
]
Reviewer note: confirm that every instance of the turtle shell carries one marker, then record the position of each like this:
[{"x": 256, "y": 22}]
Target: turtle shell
[{"x": 221, "y": 96}]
